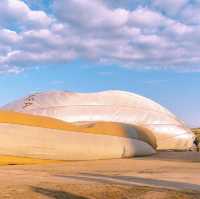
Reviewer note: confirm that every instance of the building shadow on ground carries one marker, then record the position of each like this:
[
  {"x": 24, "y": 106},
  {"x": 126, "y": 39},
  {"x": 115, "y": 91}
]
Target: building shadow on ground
[
  {"x": 137, "y": 181},
  {"x": 56, "y": 194}
]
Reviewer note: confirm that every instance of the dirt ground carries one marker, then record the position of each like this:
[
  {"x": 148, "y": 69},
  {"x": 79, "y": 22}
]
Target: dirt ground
[{"x": 166, "y": 175}]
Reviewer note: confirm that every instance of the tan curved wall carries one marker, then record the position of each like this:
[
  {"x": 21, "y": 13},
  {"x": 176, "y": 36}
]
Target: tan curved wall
[
  {"x": 101, "y": 128},
  {"x": 44, "y": 143}
]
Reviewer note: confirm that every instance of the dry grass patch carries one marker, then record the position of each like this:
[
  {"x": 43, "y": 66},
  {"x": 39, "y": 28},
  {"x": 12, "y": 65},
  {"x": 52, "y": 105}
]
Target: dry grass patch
[
  {"x": 89, "y": 191},
  {"x": 12, "y": 160}
]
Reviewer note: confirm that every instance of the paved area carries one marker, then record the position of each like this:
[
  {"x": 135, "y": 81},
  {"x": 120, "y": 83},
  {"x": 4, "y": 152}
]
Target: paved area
[{"x": 177, "y": 171}]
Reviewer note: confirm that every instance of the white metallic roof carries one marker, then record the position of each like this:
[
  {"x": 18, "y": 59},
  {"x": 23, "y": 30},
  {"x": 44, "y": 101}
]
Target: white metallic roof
[{"x": 116, "y": 106}]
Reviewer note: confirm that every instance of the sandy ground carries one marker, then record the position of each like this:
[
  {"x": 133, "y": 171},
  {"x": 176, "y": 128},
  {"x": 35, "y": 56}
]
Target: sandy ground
[{"x": 165, "y": 175}]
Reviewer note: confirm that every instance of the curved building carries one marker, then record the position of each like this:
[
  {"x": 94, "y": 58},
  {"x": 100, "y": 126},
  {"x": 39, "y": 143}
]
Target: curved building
[
  {"x": 25, "y": 135},
  {"x": 113, "y": 106}
]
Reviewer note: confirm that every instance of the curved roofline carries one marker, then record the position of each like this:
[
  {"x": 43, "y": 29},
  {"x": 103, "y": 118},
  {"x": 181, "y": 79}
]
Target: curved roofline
[{"x": 127, "y": 93}]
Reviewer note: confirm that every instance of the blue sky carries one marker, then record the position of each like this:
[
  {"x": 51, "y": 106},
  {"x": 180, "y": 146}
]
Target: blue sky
[{"x": 148, "y": 47}]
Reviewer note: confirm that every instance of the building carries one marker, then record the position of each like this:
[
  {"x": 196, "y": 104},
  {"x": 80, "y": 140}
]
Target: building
[{"x": 110, "y": 106}]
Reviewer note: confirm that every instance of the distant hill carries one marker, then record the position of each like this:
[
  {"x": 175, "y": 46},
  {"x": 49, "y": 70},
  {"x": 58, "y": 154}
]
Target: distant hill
[{"x": 196, "y": 131}]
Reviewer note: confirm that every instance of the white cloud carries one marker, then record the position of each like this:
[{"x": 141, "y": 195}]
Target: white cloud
[
  {"x": 8, "y": 36},
  {"x": 147, "y": 18},
  {"x": 16, "y": 11},
  {"x": 171, "y": 7},
  {"x": 143, "y": 37},
  {"x": 191, "y": 14},
  {"x": 6, "y": 69},
  {"x": 89, "y": 13}
]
